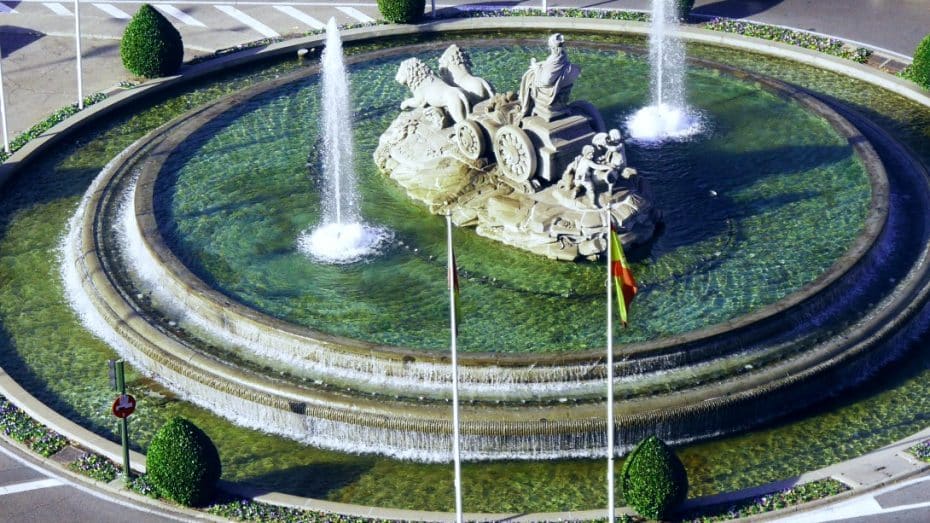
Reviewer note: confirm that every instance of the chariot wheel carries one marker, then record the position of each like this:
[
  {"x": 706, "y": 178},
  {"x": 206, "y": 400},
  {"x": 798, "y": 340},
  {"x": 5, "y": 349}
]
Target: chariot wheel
[
  {"x": 470, "y": 139},
  {"x": 516, "y": 156}
]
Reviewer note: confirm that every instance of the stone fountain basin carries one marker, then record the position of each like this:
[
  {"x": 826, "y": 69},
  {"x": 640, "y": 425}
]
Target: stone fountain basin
[{"x": 372, "y": 394}]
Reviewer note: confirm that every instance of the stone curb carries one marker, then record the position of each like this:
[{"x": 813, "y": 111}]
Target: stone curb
[{"x": 18, "y": 396}]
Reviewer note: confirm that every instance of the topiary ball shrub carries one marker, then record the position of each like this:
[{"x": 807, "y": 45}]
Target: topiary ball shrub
[
  {"x": 683, "y": 8},
  {"x": 653, "y": 480},
  {"x": 151, "y": 46},
  {"x": 920, "y": 68},
  {"x": 402, "y": 11},
  {"x": 182, "y": 463}
]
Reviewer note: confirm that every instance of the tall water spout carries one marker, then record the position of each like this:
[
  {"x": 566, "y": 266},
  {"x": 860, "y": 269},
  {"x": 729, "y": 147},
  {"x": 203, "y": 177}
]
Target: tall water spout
[
  {"x": 342, "y": 237},
  {"x": 668, "y": 116}
]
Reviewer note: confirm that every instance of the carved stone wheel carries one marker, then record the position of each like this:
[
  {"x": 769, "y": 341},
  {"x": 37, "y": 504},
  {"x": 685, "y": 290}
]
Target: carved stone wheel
[
  {"x": 516, "y": 157},
  {"x": 470, "y": 139}
]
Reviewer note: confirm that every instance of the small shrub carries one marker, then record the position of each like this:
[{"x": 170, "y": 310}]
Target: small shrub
[
  {"x": 402, "y": 11},
  {"x": 919, "y": 71},
  {"x": 684, "y": 7},
  {"x": 151, "y": 46},
  {"x": 183, "y": 463},
  {"x": 653, "y": 480}
]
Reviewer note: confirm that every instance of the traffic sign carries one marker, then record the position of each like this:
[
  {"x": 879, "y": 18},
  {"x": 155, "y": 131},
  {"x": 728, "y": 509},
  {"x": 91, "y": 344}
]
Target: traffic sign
[{"x": 124, "y": 406}]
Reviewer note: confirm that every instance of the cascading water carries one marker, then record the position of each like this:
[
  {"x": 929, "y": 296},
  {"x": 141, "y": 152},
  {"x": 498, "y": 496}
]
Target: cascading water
[
  {"x": 342, "y": 237},
  {"x": 668, "y": 117}
]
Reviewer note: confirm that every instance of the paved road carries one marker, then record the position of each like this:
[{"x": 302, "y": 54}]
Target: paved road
[{"x": 30, "y": 496}]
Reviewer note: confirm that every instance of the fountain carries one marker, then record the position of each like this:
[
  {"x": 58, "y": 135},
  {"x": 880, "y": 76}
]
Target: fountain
[
  {"x": 342, "y": 237},
  {"x": 668, "y": 117},
  {"x": 760, "y": 296}
]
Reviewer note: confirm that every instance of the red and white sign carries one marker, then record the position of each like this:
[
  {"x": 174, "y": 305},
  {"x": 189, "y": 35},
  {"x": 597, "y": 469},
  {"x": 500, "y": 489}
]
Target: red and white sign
[{"x": 124, "y": 406}]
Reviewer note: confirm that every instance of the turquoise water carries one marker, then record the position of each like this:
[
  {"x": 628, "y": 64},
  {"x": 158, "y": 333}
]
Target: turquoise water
[
  {"x": 46, "y": 350},
  {"x": 751, "y": 213}
]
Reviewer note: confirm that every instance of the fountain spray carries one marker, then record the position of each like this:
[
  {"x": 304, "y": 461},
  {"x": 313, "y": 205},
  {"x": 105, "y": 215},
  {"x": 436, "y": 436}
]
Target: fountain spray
[
  {"x": 668, "y": 116},
  {"x": 342, "y": 237}
]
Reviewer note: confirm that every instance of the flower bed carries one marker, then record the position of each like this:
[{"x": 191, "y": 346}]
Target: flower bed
[
  {"x": 768, "y": 503},
  {"x": 19, "y": 426},
  {"x": 96, "y": 467},
  {"x": 821, "y": 44},
  {"x": 247, "y": 510}
]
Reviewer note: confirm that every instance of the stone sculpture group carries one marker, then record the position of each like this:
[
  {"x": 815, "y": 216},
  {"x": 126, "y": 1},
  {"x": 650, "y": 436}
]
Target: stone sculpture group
[{"x": 529, "y": 169}]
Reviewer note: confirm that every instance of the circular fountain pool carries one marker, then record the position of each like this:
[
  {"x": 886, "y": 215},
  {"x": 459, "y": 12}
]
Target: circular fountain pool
[{"x": 356, "y": 489}]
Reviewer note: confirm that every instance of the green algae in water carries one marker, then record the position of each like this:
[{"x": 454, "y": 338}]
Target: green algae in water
[
  {"x": 751, "y": 214},
  {"x": 44, "y": 348}
]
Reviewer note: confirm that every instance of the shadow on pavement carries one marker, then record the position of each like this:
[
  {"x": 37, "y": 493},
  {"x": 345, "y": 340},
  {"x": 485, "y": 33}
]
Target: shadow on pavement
[
  {"x": 735, "y": 8},
  {"x": 14, "y": 38}
]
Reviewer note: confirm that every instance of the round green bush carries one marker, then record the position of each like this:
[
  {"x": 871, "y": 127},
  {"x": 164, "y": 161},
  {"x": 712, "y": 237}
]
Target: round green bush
[
  {"x": 920, "y": 68},
  {"x": 684, "y": 8},
  {"x": 402, "y": 11},
  {"x": 653, "y": 480},
  {"x": 182, "y": 463},
  {"x": 151, "y": 46}
]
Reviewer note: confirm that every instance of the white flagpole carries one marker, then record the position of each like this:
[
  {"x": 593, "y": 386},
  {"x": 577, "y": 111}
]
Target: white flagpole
[
  {"x": 77, "y": 46},
  {"x": 6, "y": 136},
  {"x": 456, "y": 455},
  {"x": 610, "y": 376}
]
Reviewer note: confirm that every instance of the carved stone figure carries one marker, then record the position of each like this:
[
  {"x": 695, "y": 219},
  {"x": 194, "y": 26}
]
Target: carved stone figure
[
  {"x": 526, "y": 169},
  {"x": 455, "y": 69},
  {"x": 430, "y": 90},
  {"x": 548, "y": 83}
]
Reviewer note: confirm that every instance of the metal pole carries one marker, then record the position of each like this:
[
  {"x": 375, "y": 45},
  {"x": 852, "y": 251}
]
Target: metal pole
[
  {"x": 545, "y": 6},
  {"x": 456, "y": 456},
  {"x": 610, "y": 375},
  {"x": 432, "y": 4},
  {"x": 77, "y": 46},
  {"x": 123, "y": 422},
  {"x": 6, "y": 137}
]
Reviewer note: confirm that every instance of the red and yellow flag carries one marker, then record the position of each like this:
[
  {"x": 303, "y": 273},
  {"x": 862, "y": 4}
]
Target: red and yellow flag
[{"x": 624, "y": 284}]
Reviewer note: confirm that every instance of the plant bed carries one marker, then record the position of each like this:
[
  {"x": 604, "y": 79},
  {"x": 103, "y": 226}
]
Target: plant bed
[
  {"x": 768, "y": 503},
  {"x": 19, "y": 426}
]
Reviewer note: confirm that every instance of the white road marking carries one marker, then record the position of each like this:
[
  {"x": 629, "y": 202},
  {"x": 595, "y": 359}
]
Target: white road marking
[
  {"x": 299, "y": 15},
  {"x": 57, "y": 8},
  {"x": 356, "y": 14},
  {"x": 248, "y": 20},
  {"x": 173, "y": 11},
  {"x": 29, "y": 485},
  {"x": 4, "y": 9},
  {"x": 113, "y": 11}
]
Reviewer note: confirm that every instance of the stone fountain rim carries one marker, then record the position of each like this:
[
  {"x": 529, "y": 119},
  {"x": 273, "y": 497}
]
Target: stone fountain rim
[
  {"x": 67, "y": 128},
  {"x": 231, "y": 308}
]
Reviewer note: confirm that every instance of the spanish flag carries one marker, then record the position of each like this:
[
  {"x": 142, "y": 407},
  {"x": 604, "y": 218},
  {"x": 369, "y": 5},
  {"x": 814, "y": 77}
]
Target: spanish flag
[{"x": 624, "y": 284}]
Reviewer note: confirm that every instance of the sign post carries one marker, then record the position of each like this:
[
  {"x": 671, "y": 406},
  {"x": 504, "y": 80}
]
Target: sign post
[{"x": 123, "y": 406}]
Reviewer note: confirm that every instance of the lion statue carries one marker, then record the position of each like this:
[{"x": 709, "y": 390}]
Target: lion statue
[
  {"x": 430, "y": 90},
  {"x": 455, "y": 69}
]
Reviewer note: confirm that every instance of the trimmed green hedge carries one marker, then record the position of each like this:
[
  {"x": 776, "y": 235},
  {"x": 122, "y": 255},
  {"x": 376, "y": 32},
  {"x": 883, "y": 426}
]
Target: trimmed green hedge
[
  {"x": 182, "y": 463},
  {"x": 402, "y": 11},
  {"x": 919, "y": 71},
  {"x": 653, "y": 480},
  {"x": 151, "y": 46}
]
